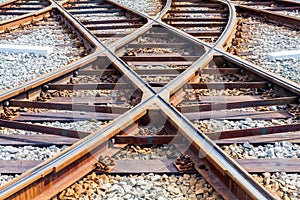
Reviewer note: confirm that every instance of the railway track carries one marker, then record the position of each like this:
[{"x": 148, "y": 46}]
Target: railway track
[
  {"x": 287, "y": 8},
  {"x": 203, "y": 20},
  {"x": 258, "y": 37},
  {"x": 163, "y": 99},
  {"x": 106, "y": 21},
  {"x": 11, "y": 9}
]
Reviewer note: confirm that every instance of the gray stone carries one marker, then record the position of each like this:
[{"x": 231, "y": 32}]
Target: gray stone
[
  {"x": 246, "y": 145},
  {"x": 116, "y": 188}
]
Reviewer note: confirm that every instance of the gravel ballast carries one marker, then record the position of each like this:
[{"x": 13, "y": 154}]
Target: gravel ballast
[
  {"x": 6, "y": 178},
  {"x": 28, "y": 152},
  {"x": 268, "y": 151},
  {"x": 264, "y": 38},
  {"x": 282, "y": 185},
  {"x": 17, "y": 68},
  {"x": 134, "y": 187},
  {"x": 149, "y": 7}
]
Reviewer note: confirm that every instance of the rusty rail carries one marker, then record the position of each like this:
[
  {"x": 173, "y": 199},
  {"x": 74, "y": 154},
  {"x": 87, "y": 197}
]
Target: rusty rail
[{"x": 46, "y": 179}]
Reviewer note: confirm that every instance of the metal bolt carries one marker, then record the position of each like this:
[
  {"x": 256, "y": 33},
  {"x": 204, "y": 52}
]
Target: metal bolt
[
  {"x": 6, "y": 104},
  {"x": 75, "y": 73},
  {"x": 45, "y": 88}
]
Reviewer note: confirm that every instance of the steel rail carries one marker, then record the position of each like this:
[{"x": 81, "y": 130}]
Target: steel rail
[
  {"x": 270, "y": 76},
  {"x": 82, "y": 147},
  {"x": 144, "y": 29},
  {"x": 40, "y": 81},
  {"x": 191, "y": 70},
  {"x": 121, "y": 65},
  {"x": 184, "y": 77},
  {"x": 92, "y": 141},
  {"x": 214, "y": 152},
  {"x": 25, "y": 19},
  {"x": 42, "y": 170},
  {"x": 45, "y": 168},
  {"x": 203, "y": 61}
]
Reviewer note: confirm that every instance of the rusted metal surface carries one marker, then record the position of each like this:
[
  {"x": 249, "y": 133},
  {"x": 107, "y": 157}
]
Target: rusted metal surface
[
  {"x": 241, "y": 104},
  {"x": 36, "y": 140},
  {"x": 237, "y": 115},
  {"x": 43, "y": 129},
  {"x": 17, "y": 166},
  {"x": 270, "y": 165},
  {"x": 292, "y": 137},
  {"x": 223, "y": 173},
  {"x": 228, "y": 85},
  {"x": 255, "y": 131},
  {"x": 65, "y": 116},
  {"x": 68, "y": 106},
  {"x": 90, "y": 86}
]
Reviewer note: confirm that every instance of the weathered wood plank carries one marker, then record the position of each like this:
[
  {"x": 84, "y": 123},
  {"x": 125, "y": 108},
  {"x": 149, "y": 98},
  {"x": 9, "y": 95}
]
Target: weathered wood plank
[
  {"x": 17, "y": 166},
  {"x": 87, "y": 100},
  {"x": 238, "y": 104},
  {"x": 64, "y": 116},
  {"x": 255, "y": 131},
  {"x": 42, "y": 129},
  {"x": 36, "y": 140},
  {"x": 212, "y": 99},
  {"x": 69, "y": 106},
  {"x": 293, "y": 137},
  {"x": 270, "y": 165},
  {"x": 123, "y": 166},
  {"x": 237, "y": 115}
]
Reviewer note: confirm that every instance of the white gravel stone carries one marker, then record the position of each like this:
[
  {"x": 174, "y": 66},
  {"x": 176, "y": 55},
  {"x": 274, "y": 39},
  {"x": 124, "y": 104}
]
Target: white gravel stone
[
  {"x": 6, "y": 17},
  {"x": 151, "y": 130},
  {"x": 28, "y": 152},
  {"x": 282, "y": 185},
  {"x": 6, "y": 178},
  {"x": 278, "y": 150},
  {"x": 150, "y": 7},
  {"x": 266, "y": 38},
  {"x": 17, "y": 68},
  {"x": 40, "y": 50}
]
